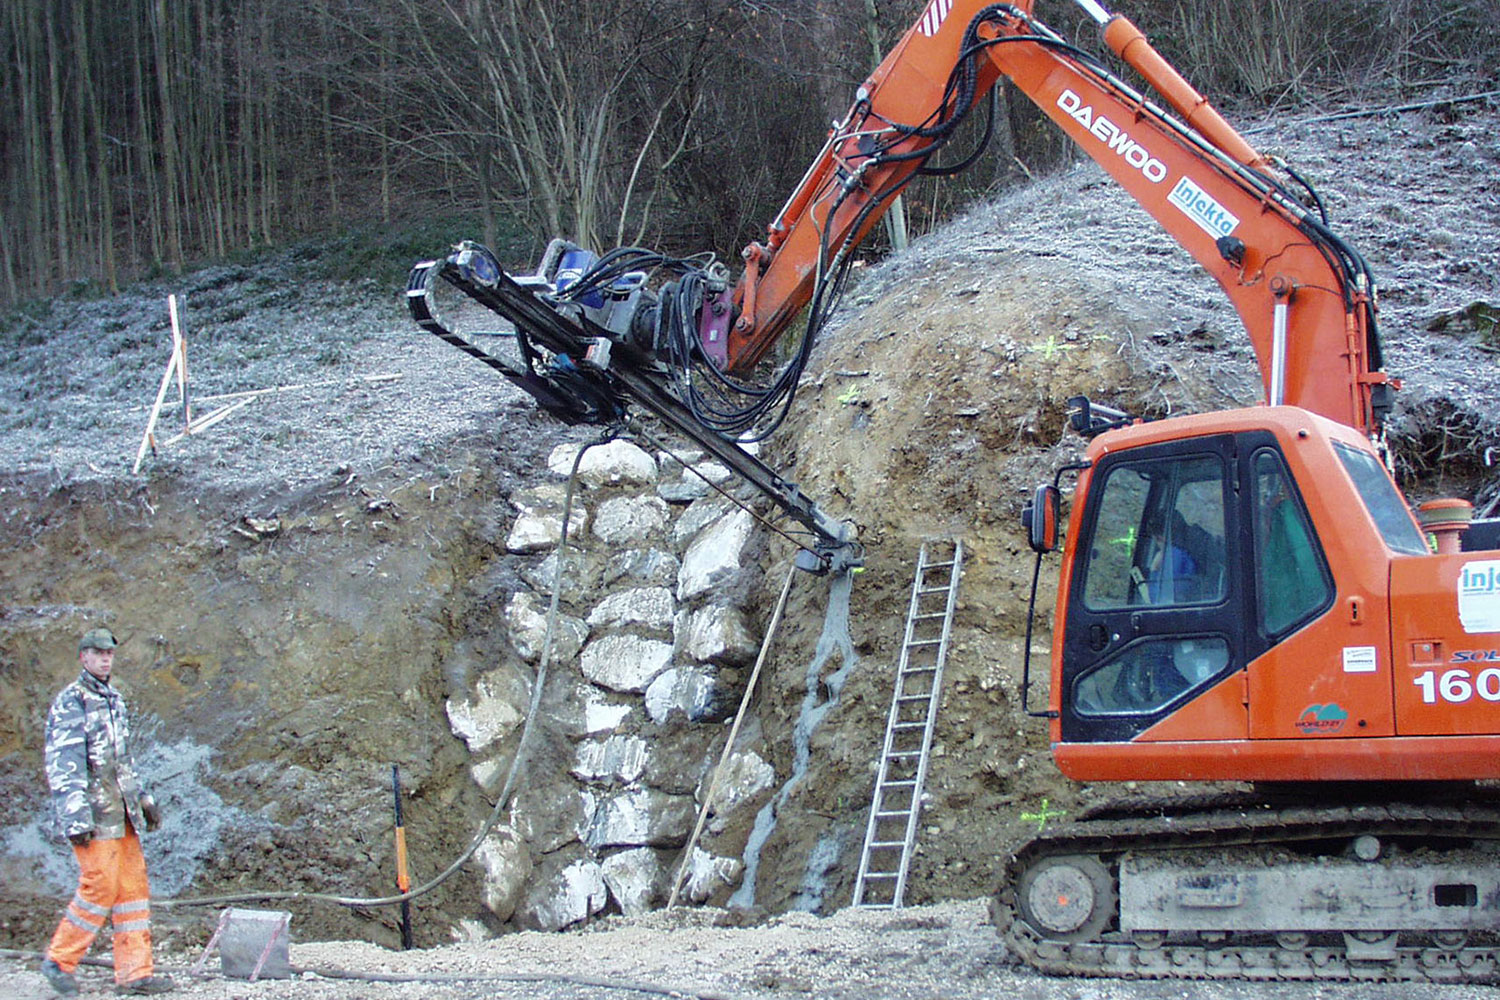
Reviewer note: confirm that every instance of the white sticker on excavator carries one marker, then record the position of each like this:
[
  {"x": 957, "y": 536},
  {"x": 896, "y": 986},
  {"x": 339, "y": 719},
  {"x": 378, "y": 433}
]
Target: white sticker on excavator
[
  {"x": 1479, "y": 596},
  {"x": 1200, "y": 206},
  {"x": 1359, "y": 659}
]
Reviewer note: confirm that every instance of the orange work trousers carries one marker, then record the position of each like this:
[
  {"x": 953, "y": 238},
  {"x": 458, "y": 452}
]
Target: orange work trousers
[{"x": 111, "y": 883}]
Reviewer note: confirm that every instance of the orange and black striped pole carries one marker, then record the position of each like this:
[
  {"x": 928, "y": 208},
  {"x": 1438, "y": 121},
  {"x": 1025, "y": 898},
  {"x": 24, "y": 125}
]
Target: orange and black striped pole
[{"x": 403, "y": 881}]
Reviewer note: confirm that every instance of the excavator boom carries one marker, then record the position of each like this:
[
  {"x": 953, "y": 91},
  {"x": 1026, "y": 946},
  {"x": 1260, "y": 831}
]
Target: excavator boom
[{"x": 1305, "y": 298}]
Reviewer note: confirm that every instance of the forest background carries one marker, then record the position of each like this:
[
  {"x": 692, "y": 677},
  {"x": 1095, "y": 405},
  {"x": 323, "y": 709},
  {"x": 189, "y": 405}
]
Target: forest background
[{"x": 145, "y": 135}]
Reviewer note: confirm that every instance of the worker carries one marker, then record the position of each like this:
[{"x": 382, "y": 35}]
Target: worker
[{"x": 99, "y": 806}]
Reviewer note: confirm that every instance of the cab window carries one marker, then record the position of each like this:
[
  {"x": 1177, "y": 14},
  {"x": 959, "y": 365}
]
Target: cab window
[
  {"x": 1159, "y": 536},
  {"x": 1389, "y": 511},
  {"x": 1291, "y": 575},
  {"x": 1148, "y": 676}
]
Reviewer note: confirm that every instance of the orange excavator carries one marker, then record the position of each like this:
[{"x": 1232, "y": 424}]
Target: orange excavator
[{"x": 1245, "y": 596}]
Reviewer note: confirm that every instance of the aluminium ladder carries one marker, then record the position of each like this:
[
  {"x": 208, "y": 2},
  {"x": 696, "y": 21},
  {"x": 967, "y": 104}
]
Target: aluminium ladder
[{"x": 891, "y": 833}]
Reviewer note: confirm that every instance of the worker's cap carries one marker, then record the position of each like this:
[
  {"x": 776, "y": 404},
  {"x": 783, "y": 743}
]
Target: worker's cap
[{"x": 97, "y": 638}]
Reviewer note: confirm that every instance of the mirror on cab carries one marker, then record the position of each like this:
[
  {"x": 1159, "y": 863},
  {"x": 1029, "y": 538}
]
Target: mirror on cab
[{"x": 1040, "y": 519}]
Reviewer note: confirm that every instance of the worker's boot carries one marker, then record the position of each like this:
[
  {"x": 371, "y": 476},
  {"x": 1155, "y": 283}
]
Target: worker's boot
[
  {"x": 62, "y": 982},
  {"x": 145, "y": 986}
]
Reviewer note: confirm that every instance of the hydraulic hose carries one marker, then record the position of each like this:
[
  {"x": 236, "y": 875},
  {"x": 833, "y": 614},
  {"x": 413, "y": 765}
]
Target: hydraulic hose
[{"x": 330, "y": 972}]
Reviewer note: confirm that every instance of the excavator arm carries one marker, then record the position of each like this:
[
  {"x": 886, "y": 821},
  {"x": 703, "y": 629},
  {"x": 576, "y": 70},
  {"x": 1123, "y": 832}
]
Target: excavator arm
[
  {"x": 674, "y": 336},
  {"x": 1305, "y": 297}
]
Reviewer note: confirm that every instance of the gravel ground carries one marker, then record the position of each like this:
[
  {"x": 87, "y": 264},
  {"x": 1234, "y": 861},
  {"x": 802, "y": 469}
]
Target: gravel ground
[{"x": 947, "y": 951}]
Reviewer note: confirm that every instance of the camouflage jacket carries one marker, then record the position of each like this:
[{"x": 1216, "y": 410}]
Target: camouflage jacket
[{"x": 89, "y": 765}]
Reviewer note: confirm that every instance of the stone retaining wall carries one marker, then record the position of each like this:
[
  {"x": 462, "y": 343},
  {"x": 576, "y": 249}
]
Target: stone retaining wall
[{"x": 651, "y": 650}]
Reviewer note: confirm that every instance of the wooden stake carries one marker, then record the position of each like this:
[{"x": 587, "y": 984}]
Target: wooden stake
[
  {"x": 147, "y": 441},
  {"x": 179, "y": 348},
  {"x": 734, "y": 732}
]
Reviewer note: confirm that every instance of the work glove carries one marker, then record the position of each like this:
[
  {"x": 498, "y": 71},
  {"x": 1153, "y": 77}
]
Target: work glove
[
  {"x": 151, "y": 811},
  {"x": 81, "y": 839}
]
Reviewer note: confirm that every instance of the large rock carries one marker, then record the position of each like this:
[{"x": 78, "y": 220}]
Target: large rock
[
  {"x": 630, "y": 520},
  {"x": 712, "y": 562},
  {"x": 643, "y": 568},
  {"x": 496, "y": 708},
  {"x": 489, "y": 775},
  {"x": 551, "y": 816},
  {"x": 620, "y": 759},
  {"x": 672, "y": 463},
  {"x": 590, "y": 711},
  {"x": 710, "y": 874},
  {"x": 568, "y": 896},
  {"x": 652, "y": 607},
  {"x": 699, "y": 516},
  {"x": 743, "y": 782},
  {"x": 617, "y": 463},
  {"x": 681, "y": 491},
  {"x": 642, "y": 817},
  {"x": 526, "y": 625},
  {"x": 625, "y": 662},
  {"x": 684, "y": 483},
  {"x": 636, "y": 878},
  {"x": 539, "y": 522},
  {"x": 580, "y": 574},
  {"x": 715, "y": 634},
  {"x": 696, "y": 693},
  {"x": 507, "y": 866}
]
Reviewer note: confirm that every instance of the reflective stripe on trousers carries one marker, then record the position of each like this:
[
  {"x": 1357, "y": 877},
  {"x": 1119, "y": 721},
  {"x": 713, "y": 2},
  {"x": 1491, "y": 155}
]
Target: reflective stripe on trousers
[{"x": 111, "y": 882}]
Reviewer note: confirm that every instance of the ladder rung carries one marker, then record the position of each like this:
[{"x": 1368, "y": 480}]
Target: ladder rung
[
  {"x": 880, "y": 844},
  {"x": 922, "y": 667},
  {"x": 910, "y": 725},
  {"x": 924, "y": 696},
  {"x": 923, "y": 642},
  {"x": 903, "y": 783},
  {"x": 892, "y": 813},
  {"x": 880, "y": 875},
  {"x": 894, "y": 754},
  {"x": 934, "y": 590},
  {"x": 938, "y": 565}
]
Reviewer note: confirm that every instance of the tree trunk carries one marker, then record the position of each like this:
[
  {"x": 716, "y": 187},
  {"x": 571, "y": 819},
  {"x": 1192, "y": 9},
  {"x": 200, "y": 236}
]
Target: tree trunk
[
  {"x": 895, "y": 216},
  {"x": 168, "y": 131},
  {"x": 57, "y": 149},
  {"x": 92, "y": 102}
]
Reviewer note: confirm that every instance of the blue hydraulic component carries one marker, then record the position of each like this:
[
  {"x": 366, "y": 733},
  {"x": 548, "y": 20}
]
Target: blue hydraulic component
[
  {"x": 478, "y": 265},
  {"x": 574, "y": 263}
]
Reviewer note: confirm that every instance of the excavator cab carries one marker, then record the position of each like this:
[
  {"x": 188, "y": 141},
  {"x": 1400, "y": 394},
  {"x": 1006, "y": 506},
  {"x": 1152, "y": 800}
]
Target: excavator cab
[
  {"x": 1152, "y": 616},
  {"x": 1246, "y": 596}
]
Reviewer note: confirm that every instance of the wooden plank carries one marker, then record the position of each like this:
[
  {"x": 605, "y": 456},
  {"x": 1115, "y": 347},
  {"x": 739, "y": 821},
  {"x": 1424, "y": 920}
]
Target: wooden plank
[
  {"x": 146, "y": 440},
  {"x": 205, "y": 422},
  {"x": 303, "y": 385},
  {"x": 179, "y": 347}
]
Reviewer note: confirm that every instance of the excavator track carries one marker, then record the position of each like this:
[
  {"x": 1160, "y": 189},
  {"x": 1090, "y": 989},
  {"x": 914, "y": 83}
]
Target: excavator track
[{"x": 1059, "y": 910}]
